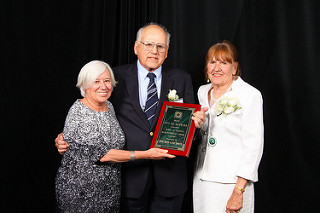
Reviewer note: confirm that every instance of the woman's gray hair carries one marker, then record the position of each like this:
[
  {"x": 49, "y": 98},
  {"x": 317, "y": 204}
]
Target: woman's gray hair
[
  {"x": 139, "y": 33},
  {"x": 90, "y": 72}
]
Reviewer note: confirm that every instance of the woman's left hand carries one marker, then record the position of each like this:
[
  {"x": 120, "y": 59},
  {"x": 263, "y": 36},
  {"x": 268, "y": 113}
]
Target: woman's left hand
[
  {"x": 235, "y": 202},
  {"x": 158, "y": 154},
  {"x": 199, "y": 117}
]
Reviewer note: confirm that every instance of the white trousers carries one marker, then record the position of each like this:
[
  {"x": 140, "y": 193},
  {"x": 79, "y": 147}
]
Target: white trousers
[{"x": 212, "y": 197}]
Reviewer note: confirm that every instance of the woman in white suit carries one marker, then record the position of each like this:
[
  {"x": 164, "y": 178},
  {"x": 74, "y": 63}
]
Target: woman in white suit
[{"x": 232, "y": 137}]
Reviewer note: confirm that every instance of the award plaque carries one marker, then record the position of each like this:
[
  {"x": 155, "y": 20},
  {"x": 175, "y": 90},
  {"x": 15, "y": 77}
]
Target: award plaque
[{"x": 175, "y": 128}]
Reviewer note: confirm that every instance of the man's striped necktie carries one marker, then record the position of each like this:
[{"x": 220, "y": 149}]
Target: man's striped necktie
[{"x": 152, "y": 99}]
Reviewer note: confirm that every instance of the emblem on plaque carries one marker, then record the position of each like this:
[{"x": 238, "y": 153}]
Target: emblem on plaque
[{"x": 178, "y": 115}]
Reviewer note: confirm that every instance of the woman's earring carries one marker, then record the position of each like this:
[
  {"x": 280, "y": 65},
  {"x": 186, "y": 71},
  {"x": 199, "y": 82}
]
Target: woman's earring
[{"x": 208, "y": 80}]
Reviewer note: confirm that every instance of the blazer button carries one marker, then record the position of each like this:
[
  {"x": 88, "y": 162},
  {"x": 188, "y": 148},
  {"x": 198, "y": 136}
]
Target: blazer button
[{"x": 151, "y": 133}]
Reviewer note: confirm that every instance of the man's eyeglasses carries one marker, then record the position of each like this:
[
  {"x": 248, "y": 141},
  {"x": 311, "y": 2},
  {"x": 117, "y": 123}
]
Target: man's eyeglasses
[{"x": 148, "y": 46}]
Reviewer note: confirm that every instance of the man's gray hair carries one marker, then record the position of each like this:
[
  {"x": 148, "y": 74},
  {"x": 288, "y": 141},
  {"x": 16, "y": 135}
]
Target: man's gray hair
[
  {"x": 139, "y": 33},
  {"x": 90, "y": 72}
]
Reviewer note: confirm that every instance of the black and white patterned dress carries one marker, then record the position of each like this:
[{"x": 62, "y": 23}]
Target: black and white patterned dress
[{"x": 83, "y": 183}]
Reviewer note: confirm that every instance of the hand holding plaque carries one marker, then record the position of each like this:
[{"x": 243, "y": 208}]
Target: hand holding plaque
[{"x": 175, "y": 128}]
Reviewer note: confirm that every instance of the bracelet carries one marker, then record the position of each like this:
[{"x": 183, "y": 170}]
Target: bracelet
[
  {"x": 132, "y": 157},
  {"x": 242, "y": 190}
]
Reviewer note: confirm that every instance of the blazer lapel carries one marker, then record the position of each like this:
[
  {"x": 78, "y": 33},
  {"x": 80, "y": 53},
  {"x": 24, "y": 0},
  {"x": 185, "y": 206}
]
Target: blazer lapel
[{"x": 132, "y": 86}]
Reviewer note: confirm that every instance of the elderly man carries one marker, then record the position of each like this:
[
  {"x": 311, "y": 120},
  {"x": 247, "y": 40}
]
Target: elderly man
[{"x": 149, "y": 186}]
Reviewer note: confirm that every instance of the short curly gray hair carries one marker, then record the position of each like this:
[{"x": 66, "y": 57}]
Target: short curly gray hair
[{"x": 90, "y": 72}]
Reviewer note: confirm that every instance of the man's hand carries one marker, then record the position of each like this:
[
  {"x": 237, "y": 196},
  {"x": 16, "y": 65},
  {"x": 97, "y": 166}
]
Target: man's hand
[
  {"x": 199, "y": 117},
  {"x": 61, "y": 145}
]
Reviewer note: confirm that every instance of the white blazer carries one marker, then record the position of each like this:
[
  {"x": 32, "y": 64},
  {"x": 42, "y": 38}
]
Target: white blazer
[{"x": 239, "y": 137}]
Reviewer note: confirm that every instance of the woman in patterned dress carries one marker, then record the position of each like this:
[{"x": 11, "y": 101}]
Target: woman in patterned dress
[{"x": 88, "y": 179}]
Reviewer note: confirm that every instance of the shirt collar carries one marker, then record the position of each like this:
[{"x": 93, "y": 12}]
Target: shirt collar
[
  {"x": 143, "y": 72},
  {"x": 237, "y": 82}
]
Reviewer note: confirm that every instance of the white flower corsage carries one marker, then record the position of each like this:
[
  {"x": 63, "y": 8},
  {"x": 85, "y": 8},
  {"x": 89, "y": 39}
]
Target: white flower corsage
[
  {"x": 227, "y": 105},
  {"x": 172, "y": 96}
]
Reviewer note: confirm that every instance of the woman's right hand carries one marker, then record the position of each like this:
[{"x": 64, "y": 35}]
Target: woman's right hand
[
  {"x": 62, "y": 146},
  {"x": 158, "y": 154}
]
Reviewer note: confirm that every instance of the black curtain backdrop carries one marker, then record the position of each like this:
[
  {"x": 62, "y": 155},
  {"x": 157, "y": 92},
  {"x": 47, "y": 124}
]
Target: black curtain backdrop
[{"x": 45, "y": 43}]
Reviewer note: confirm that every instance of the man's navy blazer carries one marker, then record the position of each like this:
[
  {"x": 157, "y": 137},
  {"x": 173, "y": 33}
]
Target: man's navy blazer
[{"x": 170, "y": 175}]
